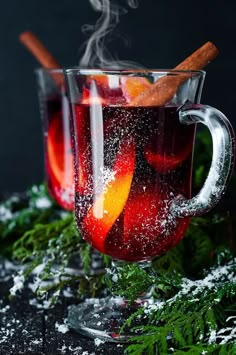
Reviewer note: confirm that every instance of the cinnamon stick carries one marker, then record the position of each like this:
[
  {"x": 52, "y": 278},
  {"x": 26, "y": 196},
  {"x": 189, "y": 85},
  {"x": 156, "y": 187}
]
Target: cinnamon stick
[
  {"x": 164, "y": 88},
  {"x": 41, "y": 53}
]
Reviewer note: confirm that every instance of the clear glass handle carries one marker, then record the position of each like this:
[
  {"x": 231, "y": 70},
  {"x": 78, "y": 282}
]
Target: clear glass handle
[{"x": 222, "y": 160}]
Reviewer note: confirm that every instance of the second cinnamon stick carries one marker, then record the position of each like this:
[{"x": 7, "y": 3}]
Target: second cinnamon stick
[{"x": 41, "y": 53}]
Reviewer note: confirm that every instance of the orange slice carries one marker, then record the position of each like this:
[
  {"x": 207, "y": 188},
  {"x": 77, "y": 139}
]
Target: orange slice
[
  {"x": 87, "y": 99},
  {"x": 168, "y": 154},
  {"x": 164, "y": 163},
  {"x": 60, "y": 156},
  {"x": 100, "y": 79},
  {"x": 133, "y": 86},
  {"x": 110, "y": 203}
]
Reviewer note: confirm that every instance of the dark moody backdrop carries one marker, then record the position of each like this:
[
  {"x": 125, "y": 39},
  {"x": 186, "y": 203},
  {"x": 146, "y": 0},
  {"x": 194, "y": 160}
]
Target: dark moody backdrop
[{"x": 161, "y": 33}]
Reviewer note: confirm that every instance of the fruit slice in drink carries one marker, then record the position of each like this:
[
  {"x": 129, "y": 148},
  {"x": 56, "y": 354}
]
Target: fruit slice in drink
[
  {"x": 60, "y": 160},
  {"x": 164, "y": 162},
  {"x": 177, "y": 147},
  {"x": 59, "y": 151},
  {"x": 91, "y": 99},
  {"x": 132, "y": 87},
  {"x": 110, "y": 203}
]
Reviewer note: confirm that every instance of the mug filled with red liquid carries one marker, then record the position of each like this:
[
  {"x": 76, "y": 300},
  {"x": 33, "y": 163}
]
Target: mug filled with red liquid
[
  {"x": 133, "y": 134},
  {"x": 54, "y": 109},
  {"x": 134, "y": 160}
]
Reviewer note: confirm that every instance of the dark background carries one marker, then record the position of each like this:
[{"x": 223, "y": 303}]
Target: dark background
[{"x": 161, "y": 34}]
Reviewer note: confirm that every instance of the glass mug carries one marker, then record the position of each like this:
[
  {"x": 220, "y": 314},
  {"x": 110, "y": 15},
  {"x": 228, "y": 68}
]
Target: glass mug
[
  {"x": 133, "y": 168},
  {"x": 58, "y": 156}
]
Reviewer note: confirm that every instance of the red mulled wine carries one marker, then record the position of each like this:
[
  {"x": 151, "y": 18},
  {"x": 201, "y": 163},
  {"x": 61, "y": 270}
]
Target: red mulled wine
[
  {"x": 132, "y": 162},
  {"x": 58, "y": 152}
]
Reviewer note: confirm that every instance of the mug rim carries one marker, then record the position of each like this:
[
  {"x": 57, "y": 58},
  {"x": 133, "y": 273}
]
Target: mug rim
[
  {"x": 128, "y": 71},
  {"x": 50, "y": 70}
]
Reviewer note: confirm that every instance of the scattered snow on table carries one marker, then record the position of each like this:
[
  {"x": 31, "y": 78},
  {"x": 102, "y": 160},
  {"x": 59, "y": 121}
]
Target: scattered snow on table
[
  {"x": 98, "y": 342},
  {"x": 62, "y": 328},
  {"x": 18, "y": 281}
]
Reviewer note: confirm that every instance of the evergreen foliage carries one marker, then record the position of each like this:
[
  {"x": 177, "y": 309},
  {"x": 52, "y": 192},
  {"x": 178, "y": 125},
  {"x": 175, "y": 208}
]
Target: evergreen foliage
[{"x": 195, "y": 282}]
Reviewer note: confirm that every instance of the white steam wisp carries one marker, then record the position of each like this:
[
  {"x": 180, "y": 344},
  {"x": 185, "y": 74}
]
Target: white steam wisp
[{"x": 96, "y": 54}]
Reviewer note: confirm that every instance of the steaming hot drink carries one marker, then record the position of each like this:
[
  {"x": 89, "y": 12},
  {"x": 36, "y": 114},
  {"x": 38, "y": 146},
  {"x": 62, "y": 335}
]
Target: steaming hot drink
[
  {"x": 133, "y": 135},
  {"x": 133, "y": 160},
  {"x": 123, "y": 208}
]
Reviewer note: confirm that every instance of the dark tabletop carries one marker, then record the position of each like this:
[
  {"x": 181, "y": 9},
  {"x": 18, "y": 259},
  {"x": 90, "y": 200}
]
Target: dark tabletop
[{"x": 26, "y": 329}]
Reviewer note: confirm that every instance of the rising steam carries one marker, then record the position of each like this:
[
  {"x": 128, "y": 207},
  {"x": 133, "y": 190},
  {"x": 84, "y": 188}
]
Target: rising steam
[{"x": 96, "y": 54}]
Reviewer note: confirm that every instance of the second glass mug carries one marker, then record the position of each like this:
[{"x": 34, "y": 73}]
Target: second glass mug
[
  {"x": 58, "y": 156},
  {"x": 133, "y": 168}
]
